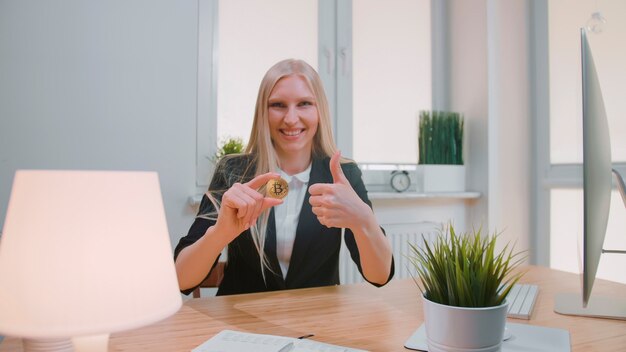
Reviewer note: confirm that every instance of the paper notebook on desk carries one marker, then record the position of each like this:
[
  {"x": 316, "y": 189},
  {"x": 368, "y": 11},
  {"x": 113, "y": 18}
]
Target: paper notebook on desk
[{"x": 237, "y": 341}]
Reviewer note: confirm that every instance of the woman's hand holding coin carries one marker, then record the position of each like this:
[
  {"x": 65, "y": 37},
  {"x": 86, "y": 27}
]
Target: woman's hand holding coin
[{"x": 242, "y": 204}]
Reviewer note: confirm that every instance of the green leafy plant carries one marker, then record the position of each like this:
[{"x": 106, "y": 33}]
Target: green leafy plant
[
  {"x": 464, "y": 270},
  {"x": 230, "y": 145},
  {"x": 440, "y": 138}
]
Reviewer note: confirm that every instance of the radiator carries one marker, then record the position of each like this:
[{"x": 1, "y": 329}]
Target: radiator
[{"x": 400, "y": 235}]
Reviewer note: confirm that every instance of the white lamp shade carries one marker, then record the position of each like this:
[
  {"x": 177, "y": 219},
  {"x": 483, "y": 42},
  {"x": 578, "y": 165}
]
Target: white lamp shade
[{"x": 85, "y": 252}]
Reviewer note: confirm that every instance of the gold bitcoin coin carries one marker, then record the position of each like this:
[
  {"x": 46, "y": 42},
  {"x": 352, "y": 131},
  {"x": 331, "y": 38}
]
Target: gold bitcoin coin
[{"x": 277, "y": 188}]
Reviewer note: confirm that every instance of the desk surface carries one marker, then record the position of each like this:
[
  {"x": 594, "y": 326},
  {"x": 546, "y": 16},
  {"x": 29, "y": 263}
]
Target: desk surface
[{"x": 360, "y": 316}]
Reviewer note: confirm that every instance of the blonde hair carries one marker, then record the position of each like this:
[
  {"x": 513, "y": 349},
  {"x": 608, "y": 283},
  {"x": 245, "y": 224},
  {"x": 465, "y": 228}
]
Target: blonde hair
[{"x": 260, "y": 146}]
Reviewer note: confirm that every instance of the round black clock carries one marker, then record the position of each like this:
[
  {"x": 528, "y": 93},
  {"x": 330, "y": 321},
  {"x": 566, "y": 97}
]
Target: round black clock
[{"x": 400, "y": 180}]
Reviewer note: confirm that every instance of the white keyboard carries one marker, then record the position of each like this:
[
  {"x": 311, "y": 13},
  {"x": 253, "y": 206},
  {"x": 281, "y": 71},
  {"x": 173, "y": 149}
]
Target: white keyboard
[{"x": 522, "y": 299}]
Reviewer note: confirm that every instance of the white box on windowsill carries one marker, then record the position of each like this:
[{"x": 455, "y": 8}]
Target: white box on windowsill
[{"x": 440, "y": 178}]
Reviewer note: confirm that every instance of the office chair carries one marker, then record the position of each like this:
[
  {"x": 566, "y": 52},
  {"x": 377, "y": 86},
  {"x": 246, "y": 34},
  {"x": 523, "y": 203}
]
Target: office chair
[{"x": 213, "y": 280}]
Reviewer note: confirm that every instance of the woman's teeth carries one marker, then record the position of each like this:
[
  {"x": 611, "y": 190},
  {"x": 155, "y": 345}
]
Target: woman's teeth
[{"x": 292, "y": 133}]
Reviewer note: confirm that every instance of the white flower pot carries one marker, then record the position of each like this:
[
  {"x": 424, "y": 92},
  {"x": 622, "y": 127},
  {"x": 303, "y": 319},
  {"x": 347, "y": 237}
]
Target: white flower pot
[
  {"x": 460, "y": 329},
  {"x": 440, "y": 178}
]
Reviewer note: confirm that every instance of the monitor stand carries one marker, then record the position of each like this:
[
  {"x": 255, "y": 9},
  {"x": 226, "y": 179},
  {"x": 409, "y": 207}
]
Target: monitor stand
[
  {"x": 620, "y": 185},
  {"x": 598, "y": 306}
]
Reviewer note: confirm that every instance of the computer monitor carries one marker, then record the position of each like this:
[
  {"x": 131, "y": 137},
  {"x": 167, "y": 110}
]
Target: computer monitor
[{"x": 597, "y": 186}]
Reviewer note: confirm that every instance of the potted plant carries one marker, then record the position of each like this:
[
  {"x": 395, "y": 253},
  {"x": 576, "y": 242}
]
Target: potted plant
[
  {"x": 229, "y": 145},
  {"x": 464, "y": 283},
  {"x": 440, "y": 147}
]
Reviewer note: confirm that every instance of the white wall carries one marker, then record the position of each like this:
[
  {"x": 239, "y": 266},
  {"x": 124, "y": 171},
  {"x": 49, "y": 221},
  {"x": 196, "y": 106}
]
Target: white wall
[
  {"x": 468, "y": 94},
  {"x": 509, "y": 120},
  {"x": 489, "y": 83},
  {"x": 100, "y": 85}
]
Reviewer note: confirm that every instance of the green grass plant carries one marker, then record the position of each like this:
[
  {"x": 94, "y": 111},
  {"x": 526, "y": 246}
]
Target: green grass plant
[
  {"x": 230, "y": 145},
  {"x": 464, "y": 270},
  {"x": 440, "y": 138}
]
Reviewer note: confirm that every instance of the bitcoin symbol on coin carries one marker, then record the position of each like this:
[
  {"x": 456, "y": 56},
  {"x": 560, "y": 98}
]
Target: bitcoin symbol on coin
[{"x": 277, "y": 188}]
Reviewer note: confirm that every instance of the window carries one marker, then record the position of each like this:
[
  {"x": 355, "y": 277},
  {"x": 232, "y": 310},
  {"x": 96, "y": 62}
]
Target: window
[
  {"x": 609, "y": 51},
  {"x": 391, "y": 77},
  {"x": 373, "y": 57},
  {"x": 254, "y": 35}
]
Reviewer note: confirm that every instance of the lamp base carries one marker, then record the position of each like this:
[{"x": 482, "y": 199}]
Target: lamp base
[
  {"x": 93, "y": 343},
  {"x": 47, "y": 345}
]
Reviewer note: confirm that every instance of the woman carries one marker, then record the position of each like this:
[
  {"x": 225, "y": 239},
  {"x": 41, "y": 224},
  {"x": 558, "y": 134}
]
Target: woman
[{"x": 292, "y": 242}]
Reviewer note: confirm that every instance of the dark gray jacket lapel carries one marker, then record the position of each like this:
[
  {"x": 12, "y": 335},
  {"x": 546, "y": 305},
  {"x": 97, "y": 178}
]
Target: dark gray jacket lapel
[{"x": 270, "y": 252}]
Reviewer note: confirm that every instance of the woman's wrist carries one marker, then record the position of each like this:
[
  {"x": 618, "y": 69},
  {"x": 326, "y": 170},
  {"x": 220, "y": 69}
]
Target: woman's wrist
[
  {"x": 367, "y": 223},
  {"x": 220, "y": 235}
]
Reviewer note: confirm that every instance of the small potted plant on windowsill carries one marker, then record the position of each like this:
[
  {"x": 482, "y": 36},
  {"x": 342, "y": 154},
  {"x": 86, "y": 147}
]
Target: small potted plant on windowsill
[
  {"x": 229, "y": 145},
  {"x": 464, "y": 284},
  {"x": 440, "y": 150}
]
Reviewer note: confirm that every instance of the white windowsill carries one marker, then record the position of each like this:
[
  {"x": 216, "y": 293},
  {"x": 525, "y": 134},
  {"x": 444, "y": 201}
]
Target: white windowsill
[{"x": 419, "y": 195}]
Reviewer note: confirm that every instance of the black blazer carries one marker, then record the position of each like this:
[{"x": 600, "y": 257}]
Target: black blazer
[{"x": 315, "y": 257}]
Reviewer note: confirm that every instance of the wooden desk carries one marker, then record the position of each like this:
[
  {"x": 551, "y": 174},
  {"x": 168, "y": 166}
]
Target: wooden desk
[{"x": 352, "y": 315}]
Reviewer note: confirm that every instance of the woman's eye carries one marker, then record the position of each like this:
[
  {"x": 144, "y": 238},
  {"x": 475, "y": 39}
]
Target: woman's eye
[
  {"x": 306, "y": 103},
  {"x": 276, "y": 105}
]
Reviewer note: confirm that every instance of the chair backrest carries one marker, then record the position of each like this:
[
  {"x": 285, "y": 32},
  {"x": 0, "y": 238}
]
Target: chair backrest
[{"x": 213, "y": 280}]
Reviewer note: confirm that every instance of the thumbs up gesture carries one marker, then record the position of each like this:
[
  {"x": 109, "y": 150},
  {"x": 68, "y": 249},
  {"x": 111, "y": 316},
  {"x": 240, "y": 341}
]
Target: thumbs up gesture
[{"x": 337, "y": 204}]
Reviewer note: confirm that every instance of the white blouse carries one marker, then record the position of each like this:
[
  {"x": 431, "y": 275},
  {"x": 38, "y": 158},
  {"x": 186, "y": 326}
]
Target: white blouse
[{"x": 286, "y": 216}]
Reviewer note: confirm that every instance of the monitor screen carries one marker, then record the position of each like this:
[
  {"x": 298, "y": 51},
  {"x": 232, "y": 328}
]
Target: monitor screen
[{"x": 597, "y": 175}]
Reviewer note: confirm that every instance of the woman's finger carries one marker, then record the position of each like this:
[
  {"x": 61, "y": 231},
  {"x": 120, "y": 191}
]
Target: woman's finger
[
  {"x": 260, "y": 180},
  {"x": 319, "y": 211},
  {"x": 269, "y": 202},
  {"x": 242, "y": 198},
  {"x": 255, "y": 202},
  {"x": 315, "y": 201},
  {"x": 252, "y": 193},
  {"x": 237, "y": 202},
  {"x": 255, "y": 211},
  {"x": 321, "y": 188},
  {"x": 321, "y": 201}
]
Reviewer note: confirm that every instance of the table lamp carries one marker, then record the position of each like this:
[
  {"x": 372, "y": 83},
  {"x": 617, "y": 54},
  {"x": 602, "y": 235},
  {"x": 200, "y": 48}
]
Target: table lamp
[{"x": 84, "y": 254}]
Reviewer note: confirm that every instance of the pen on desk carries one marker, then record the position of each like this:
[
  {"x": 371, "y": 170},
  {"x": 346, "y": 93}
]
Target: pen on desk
[{"x": 305, "y": 336}]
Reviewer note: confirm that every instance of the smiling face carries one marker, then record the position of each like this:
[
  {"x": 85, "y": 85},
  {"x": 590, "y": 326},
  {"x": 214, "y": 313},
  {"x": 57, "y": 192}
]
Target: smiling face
[{"x": 293, "y": 118}]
